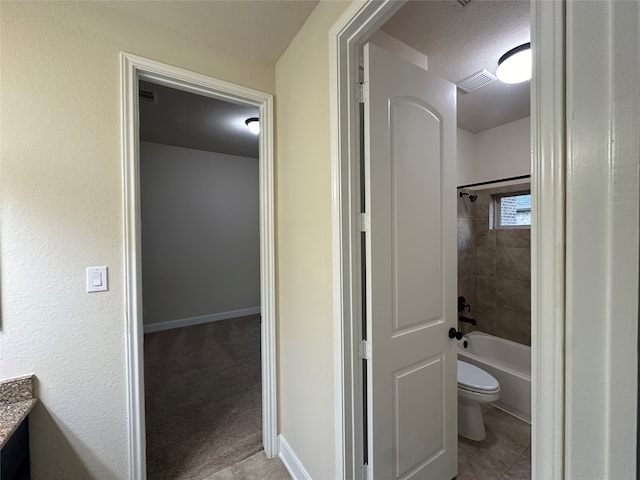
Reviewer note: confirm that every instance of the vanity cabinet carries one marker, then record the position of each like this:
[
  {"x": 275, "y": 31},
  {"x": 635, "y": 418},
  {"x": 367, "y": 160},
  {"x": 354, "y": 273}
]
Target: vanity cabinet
[
  {"x": 16, "y": 402},
  {"x": 14, "y": 456}
]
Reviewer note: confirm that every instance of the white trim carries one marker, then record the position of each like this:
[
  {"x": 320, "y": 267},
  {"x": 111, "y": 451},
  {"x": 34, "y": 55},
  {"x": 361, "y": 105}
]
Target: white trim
[
  {"x": 291, "y": 461},
  {"x": 350, "y": 31},
  {"x": 603, "y": 147},
  {"x": 132, "y": 269},
  {"x": 358, "y": 22},
  {"x": 200, "y": 319},
  {"x": 134, "y": 68},
  {"x": 268, "y": 278},
  {"x": 547, "y": 240}
]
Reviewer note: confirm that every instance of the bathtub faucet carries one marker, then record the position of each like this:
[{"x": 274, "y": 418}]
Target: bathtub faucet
[{"x": 472, "y": 321}]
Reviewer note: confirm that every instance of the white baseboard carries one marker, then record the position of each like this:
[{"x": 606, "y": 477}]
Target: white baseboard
[
  {"x": 186, "y": 322},
  {"x": 291, "y": 461}
]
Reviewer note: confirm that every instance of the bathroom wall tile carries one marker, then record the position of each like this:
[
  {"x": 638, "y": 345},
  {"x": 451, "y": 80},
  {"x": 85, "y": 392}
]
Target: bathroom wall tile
[
  {"x": 513, "y": 263},
  {"x": 500, "y": 262},
  {"x": 513, "y": 237},
  {"x": 467, "y": 262},
  {"x": 485, "y": 291},
  {"x": 480, "y": 208},
  {"x": 482, "y": 236},
  {"x": 513, "y": 294},
  {"x": 512, "y": 325},
  {"x": 465, "y": 233},
  {"x": 464, "y": 207},
  {"x": 485, "y": 319},
  {"x": 486, "y": 261},
  {"x": 465, "y": 328},
  {"x": 467, "y": 288}
]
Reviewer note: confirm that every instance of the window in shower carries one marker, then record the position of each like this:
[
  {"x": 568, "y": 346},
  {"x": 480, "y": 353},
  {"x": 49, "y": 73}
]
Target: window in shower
[{"x": 512, "y": 210}]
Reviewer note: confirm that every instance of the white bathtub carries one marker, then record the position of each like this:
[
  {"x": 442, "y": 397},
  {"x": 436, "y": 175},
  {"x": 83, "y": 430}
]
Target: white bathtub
[{"x": 509, "y": 362}]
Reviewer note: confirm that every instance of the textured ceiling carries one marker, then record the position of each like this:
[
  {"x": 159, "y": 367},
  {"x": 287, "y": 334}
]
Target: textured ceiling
[
  {"x": 188, "y": 120},
  {"x": 460, "y": 41},
  {"x": 255, "y": 30}
]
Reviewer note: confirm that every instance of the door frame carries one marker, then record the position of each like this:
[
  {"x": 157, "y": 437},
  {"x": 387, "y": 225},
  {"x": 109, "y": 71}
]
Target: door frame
[
  {"x": 133, "y": 69},
  {"x": 351, "y": 31}
]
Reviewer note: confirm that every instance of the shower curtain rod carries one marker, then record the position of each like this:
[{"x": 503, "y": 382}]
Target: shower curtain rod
[{"x": 494, "y": 181}]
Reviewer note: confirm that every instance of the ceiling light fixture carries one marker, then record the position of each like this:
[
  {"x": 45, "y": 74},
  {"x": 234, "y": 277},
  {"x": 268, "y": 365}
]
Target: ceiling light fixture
[
  {"x": 515, "y": 65},
  {"x": 254, "y": 125}
]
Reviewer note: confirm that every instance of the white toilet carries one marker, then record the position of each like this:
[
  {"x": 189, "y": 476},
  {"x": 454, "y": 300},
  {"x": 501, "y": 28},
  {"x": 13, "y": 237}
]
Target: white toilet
[{"x": 475, "y": 388}]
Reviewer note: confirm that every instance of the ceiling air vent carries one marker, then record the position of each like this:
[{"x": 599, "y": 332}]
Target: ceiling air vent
[
  {"x": 464, "y": 3},
  {"x": 476, "y": 81},
  {"x": 148, "y": 96}
]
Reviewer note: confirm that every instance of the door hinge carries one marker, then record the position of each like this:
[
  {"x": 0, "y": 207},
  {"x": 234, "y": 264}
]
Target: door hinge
[
  {"x": 366, "y": 472},
  {"x": 365, "y": 349},
  {"x": 364, "y": 222},
  {"x": 362, "y": 92}
]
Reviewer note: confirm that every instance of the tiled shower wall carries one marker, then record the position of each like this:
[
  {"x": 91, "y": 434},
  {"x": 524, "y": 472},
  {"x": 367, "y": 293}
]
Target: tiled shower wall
[{"x": 494, "y": 270}]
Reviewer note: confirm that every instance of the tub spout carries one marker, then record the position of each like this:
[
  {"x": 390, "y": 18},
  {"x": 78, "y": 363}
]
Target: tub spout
[{"x": 472, "y": 321}]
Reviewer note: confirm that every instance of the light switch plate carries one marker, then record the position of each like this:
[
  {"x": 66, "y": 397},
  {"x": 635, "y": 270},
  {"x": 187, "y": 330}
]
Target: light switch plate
[{"x": 97, "y": 280}]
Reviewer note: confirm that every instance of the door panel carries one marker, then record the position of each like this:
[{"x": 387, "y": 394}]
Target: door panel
[
  {"x": 410, "y": 128},
  {"x": 418, "y": 439},
  {"x": 415, "y": 183}
]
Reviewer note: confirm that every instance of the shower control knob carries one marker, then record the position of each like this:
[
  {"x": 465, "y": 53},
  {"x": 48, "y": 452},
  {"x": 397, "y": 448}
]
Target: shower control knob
[{"x": 453, "y": 333}]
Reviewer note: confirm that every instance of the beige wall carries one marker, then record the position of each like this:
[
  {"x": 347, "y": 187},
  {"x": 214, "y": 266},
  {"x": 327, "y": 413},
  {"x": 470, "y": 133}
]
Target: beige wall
[
  {"x": 304, "y": 244},
  {"x": 62, "y": 212}
]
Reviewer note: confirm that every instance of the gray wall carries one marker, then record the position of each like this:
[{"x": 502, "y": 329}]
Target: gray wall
[
  {"x": 494, "y": 270},
  {"x": 200, "y": 232}
]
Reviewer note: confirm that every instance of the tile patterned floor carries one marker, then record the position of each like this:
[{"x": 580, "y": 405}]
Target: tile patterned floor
[
  {"x": 504, "y": 455},
  {"x": 256, "y": 467}
]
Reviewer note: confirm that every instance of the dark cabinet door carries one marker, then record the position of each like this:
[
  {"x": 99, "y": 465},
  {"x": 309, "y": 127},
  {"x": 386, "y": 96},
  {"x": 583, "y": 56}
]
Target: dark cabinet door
[{"x": 14, "y": 457}]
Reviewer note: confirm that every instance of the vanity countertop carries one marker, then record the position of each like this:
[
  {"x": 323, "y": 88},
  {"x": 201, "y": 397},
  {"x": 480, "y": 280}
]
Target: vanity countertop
[{"x": 16, "y": 401}]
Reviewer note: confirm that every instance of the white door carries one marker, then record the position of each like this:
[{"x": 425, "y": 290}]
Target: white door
[{"x": 410, "y": 141}]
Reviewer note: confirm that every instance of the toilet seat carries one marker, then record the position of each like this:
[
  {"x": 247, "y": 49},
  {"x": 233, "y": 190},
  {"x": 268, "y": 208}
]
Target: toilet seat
[{"x": 475, "y": 379}]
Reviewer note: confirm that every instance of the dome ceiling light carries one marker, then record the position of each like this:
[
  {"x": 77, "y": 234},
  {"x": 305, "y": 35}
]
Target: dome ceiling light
[
  {"x": 254, "y": 125},
  {"x": 515, "y": 65}
]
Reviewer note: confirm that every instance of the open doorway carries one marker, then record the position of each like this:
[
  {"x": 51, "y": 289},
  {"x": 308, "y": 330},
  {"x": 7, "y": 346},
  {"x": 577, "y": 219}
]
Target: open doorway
[
  {"x": 462, "y": 44},
  {"x": 350, "y": 34},
  {"x": 199, "y": 197},
  {"x": 134, "y": 70}
]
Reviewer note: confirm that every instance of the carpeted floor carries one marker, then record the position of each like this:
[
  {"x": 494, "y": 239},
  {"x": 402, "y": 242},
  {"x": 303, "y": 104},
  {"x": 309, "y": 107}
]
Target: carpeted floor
[{"x": 203, "y": 398}]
